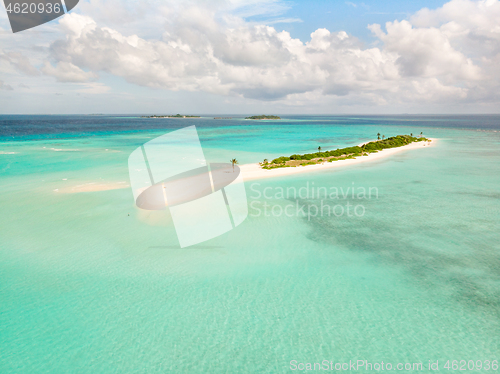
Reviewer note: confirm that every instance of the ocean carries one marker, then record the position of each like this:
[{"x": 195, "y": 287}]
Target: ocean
[{"x": 91, "y": 284}]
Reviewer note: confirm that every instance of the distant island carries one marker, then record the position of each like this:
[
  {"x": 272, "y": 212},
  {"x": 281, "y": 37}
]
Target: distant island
[
  {"x": 341, "y": 153},
  {"x": 171, "y": 116},
  {"x": 263, "y": 117}
]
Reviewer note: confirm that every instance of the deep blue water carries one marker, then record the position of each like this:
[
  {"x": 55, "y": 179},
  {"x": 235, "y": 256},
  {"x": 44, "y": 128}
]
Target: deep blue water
[{"x": 26, "y": 127}]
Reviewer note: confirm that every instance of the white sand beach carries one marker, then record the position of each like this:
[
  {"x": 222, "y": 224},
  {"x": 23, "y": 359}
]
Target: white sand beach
[{"x": 254, "y": 171}]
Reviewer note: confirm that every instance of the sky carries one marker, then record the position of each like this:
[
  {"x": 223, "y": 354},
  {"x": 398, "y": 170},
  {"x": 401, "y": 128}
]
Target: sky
[{"x": 256, "y": 56}]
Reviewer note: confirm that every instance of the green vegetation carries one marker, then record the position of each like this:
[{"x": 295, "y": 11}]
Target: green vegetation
[
  {"x": 233, "y": 162},
  {"x": 392, "y": 142},
  {"x": 170, "y": 116},
  {"x": 263, "y": 117},
  {"x": 341, "y": 153}
]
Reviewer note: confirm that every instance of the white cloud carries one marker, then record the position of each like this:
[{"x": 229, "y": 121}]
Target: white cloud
[
  {"x": 447, "y": 55},
  {"x": 256, "y": 61},
  {"x": 426, "y": 52},
  {"x": 282, "y": 20},
  {"x": 20, "y": 62},
  {"x": 67, "y": 72},
  {"x": 250, "y": 8}
]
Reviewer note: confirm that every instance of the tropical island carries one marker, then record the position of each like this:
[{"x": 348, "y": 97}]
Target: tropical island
[
  {"x": 263, "y": 117},
  {"x": 171, "y": 116},
  {"x": 342, "y": 153}
]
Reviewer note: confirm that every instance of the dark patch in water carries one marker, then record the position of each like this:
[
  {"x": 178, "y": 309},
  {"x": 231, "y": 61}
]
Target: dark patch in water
[{"x": 455, "y": 274}]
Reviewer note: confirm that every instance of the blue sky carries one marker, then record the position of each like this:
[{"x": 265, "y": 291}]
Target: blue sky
[
  {"x": 256, "y": 56},
  {"x": 350, "y": 16}
]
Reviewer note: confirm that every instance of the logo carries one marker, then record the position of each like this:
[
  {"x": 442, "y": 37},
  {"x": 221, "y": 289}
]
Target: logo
[
  {"x": 25, "y": 14},
  {"x": 205, "y": 200}
]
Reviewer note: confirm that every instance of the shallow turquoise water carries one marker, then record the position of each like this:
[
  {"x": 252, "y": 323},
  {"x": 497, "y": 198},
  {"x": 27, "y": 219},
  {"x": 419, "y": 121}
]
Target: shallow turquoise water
[{"x": 90, "y": 284}]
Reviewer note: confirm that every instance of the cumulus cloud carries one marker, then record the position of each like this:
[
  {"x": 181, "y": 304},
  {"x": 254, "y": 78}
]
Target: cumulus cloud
[
  {"x": 253, "y": 61},
  {"x": 426, "y": 52},
  {"x": 450, "y": 54}
]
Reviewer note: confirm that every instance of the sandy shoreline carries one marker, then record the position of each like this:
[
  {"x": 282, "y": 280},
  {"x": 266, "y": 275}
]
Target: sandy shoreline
[
  {"x": 93, "y": 187},
  {"x": 254, "y": 171}
]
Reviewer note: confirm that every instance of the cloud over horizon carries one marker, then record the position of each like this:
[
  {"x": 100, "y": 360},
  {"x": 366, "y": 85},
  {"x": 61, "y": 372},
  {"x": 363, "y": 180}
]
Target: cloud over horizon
[{"x": 447, "y": 55}]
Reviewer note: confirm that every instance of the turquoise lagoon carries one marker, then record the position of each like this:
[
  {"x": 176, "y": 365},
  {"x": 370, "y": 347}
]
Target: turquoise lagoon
[{"x": 90, "y": 284}]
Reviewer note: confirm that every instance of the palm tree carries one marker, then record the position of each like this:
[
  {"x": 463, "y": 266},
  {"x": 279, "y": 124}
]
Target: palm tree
[
  {"x": 421, "y": 133},
  {"x": 265, "y": 161},
  {"x": 378, "y": 136},
  {"x": 411, "y": 134},
  {"x": 319, "y": 149},
  {"x": 383, "y": 137},
  {"x": 233, "y": 162}
]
